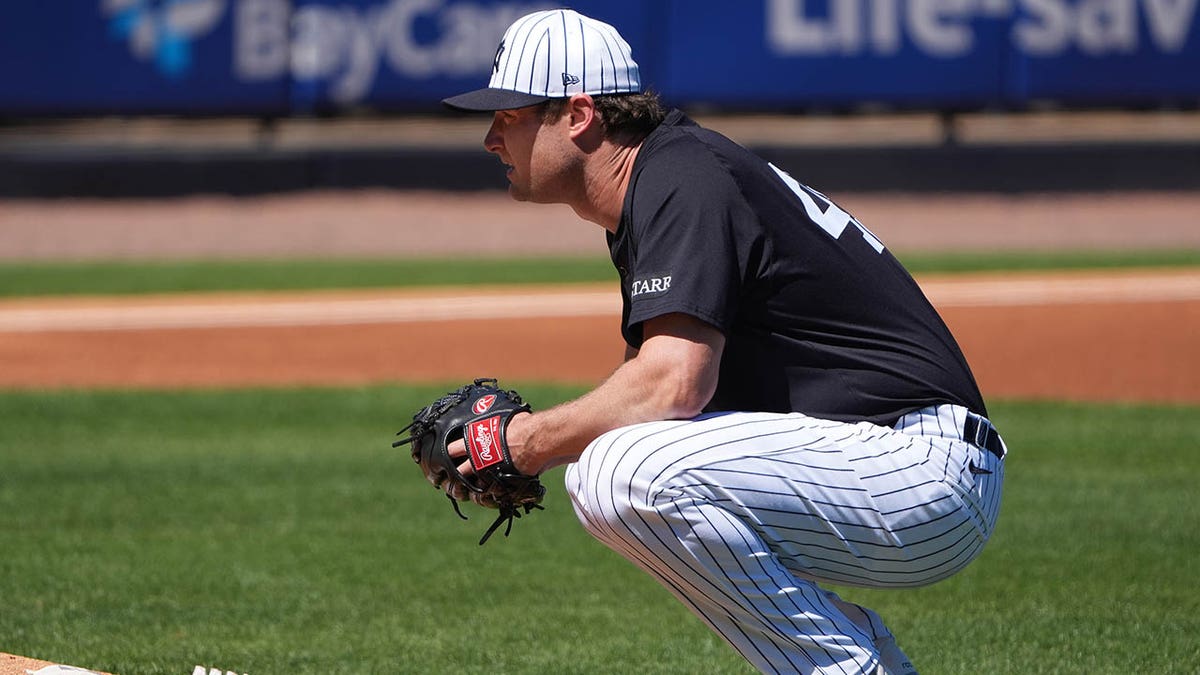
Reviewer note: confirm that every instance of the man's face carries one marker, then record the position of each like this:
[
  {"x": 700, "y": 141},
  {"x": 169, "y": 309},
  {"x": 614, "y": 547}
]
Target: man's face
[{"x": 531, "y": 152}]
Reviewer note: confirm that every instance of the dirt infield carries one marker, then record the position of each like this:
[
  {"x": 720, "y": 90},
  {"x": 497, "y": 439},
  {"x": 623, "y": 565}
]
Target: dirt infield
[{"x": 1126, "y": 335}]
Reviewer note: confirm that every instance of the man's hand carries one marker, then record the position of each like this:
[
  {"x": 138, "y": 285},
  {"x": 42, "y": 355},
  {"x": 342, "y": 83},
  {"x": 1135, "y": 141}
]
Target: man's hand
[
  {"x": 513, "y": 438},
  {"x": 460, "y": 442}
]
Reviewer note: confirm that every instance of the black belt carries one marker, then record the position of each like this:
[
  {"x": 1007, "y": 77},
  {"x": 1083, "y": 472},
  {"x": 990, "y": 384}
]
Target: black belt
[{"x": 979, "y": 431}]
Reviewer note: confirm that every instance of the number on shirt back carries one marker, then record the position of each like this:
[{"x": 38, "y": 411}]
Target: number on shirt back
[{"x": 832, "y": 219}]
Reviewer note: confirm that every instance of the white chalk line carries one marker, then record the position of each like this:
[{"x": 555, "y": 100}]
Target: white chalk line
[
  {"x": 315, "y": 312},
  {"x": 1067, "y": 290},
  {"x": 181, "y": 312}
]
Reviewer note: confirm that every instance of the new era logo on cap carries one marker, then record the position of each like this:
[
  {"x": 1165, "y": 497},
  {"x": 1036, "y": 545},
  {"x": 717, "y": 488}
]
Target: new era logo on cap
[{"x": 554, "y": 54}]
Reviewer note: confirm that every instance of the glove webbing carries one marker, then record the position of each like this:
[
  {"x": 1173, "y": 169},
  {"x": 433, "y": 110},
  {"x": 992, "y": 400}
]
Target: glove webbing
[{"x": 507, "y": 513}]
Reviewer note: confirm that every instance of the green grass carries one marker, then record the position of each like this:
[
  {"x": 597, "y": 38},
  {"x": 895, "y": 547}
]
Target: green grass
[
  {"x": 269, "y": 531},
  {"x": 119, "y": 277},
  {"x": 1016, "y": 261},
  {"x": 63, "y": 278}
]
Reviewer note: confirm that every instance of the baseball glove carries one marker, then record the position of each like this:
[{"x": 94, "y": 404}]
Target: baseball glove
[{"x": 479, "y": 414}]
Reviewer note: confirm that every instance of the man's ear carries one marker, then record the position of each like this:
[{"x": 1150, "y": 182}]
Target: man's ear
[{"x": 581, "y": 114}]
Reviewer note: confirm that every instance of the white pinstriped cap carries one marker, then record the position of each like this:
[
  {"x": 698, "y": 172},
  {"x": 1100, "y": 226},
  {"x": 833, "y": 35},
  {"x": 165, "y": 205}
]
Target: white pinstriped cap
[{"x": 554, "y": 54}]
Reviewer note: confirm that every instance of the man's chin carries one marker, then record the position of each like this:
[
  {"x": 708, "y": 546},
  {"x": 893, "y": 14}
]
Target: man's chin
[{"x": 517, "y": 194}]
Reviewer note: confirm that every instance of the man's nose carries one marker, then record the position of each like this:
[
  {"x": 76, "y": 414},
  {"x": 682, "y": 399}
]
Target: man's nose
[{"x": 493, "y": 141}]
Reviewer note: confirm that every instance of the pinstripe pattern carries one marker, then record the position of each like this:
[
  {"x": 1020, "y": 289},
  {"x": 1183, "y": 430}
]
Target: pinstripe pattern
[
  {"x": 741, "y": 515},
  {"x": 546, "y": 52}
]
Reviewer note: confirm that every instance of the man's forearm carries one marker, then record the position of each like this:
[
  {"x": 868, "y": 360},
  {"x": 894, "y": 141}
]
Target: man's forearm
[{"x": 671, "y": 377}]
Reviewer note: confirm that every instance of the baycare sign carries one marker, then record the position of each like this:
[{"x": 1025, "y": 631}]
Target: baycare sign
[
  {"x": 385, "y": 52},
  {"x": 349, "y": 52}
]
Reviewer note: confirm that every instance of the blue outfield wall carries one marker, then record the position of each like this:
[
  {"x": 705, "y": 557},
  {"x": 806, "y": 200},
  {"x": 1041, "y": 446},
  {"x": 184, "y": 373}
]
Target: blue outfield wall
[
  {"x": 279, "y": 57},
  {"x": 115, "y": 56}
]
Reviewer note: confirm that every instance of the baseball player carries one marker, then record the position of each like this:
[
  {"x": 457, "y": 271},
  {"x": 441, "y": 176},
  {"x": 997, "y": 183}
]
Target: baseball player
[{"x": 791, "y": 409}]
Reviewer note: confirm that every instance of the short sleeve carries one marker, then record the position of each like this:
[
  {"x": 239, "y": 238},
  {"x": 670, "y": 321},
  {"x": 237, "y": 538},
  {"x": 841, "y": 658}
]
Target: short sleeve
[{"x": 687, "y": 224}]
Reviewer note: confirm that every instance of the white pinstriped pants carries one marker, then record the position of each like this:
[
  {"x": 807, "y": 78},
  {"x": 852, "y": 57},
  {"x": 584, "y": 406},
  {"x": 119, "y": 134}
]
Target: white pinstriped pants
[{"x": 741, "y": 514}]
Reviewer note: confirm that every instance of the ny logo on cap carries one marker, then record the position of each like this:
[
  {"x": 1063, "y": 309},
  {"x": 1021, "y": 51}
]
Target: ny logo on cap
[
  {"x": 496, "y": 62},
  {"x": 551, "y": 54}
]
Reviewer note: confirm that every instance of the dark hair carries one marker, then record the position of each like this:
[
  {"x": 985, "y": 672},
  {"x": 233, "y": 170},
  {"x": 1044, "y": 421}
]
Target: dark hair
[{"x": 626, "y": 117}]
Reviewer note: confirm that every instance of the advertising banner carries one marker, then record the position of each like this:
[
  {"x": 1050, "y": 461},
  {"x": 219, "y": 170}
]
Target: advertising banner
[
  {"x": 138, "y": 56},
  {"x": 801, "y": 53},
  {"x": 398, "y": 54},
  {"x": 805, "y": 53},
  {"x": 278, "y": 57},
  {"x": 1082, "y": 52}
]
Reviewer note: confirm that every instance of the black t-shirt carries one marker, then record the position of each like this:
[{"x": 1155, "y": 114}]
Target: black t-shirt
[{"x": 818, "y": 316}]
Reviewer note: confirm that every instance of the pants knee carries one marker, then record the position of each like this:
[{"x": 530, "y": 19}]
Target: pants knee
[{"x": 603, "y": 485}]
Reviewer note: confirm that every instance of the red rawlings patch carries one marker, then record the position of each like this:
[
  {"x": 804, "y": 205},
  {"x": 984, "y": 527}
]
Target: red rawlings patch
[
  {"x": 483, "y": 404},
  {"x": 483, "y": 440}
]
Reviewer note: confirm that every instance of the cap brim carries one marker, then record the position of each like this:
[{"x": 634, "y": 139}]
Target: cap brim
[{"x": 488, "y": 100}]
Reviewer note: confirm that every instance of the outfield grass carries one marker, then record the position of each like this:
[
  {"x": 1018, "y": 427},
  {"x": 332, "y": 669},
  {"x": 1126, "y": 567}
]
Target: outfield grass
[
  {"x": 277, "y": 532},
  {"x": 119, "y": 277}
]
